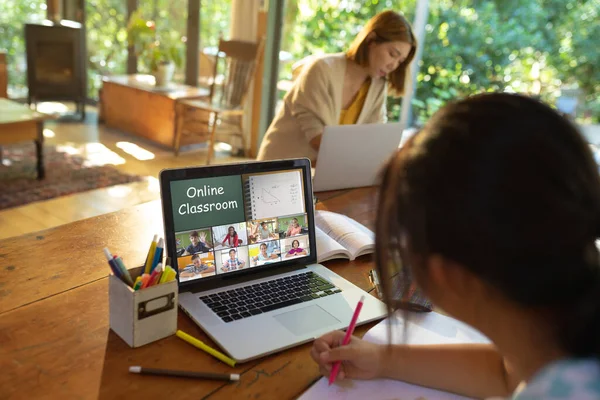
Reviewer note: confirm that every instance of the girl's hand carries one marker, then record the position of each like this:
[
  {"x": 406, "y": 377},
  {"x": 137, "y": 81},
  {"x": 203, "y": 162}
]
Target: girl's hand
[{"x": 360, "y": 359}]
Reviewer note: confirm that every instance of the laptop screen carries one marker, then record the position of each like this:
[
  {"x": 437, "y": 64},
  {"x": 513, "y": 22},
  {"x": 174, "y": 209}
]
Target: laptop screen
[{"x": 234, "y": 223}]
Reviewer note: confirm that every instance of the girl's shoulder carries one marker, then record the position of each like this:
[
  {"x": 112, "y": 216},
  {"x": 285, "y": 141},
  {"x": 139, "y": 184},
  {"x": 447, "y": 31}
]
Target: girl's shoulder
[{"x": 572, "y": 379}]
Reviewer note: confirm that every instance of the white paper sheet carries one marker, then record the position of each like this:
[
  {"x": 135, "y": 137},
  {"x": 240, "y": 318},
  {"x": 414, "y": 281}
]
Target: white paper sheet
[
  {"x": 425, "y": 328},
  {"x": 276, "y": 194},
  {"x": 380, "y": 389}
]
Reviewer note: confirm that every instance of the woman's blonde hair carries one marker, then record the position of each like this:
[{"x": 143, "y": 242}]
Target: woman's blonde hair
[{"x": 387, "y": 26}]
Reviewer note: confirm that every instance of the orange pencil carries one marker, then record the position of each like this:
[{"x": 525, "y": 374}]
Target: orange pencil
[{"x": 145, "y": 281}]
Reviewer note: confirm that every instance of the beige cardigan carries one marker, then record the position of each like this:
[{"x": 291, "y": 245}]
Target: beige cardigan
[{"x": 314, "y": 102}]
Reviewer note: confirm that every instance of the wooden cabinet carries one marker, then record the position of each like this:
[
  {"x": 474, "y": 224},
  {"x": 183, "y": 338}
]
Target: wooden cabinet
[{"x": 132, "y": 104}]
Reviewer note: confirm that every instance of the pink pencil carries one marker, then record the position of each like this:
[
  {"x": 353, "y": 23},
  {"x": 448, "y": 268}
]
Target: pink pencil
[{"x": 349, "y": 332}]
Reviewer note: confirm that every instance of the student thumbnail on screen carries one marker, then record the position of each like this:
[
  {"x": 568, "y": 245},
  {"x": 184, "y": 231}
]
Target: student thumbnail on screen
[
  {"x": 230, "y": 235},
  {"x": 263, "y": 230},
  {"x": 192, "y": 242},
  {"x": 264, "y": 253},
  {"x": 294, "y": 247},
  {"x": 293, "y": 225},
  {"x": 200, "y": 265},
  {"x": 232, "y": 259}
]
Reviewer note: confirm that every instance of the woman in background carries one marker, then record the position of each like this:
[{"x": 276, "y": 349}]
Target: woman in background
[
  {"x": 345, "y": 88},
  {"x": 494, "y": 209}
]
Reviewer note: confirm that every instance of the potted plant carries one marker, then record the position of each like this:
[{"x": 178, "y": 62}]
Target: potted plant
[{"x": 160, "y": 51}]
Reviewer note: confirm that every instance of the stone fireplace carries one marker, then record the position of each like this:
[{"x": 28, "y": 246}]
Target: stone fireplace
[{"x": 56, "y": 59}]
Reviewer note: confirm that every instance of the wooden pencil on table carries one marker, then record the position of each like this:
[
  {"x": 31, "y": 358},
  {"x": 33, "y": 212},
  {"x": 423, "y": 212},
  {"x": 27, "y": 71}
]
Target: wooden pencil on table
[{"x": 184, "y": 374}]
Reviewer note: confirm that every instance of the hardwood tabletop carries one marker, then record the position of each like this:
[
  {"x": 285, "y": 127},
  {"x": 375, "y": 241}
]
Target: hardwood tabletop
[
  {"x": 54, "y": 330},
  {"x": 12, "y": 112},
  {"x": 146, "y": 82}
]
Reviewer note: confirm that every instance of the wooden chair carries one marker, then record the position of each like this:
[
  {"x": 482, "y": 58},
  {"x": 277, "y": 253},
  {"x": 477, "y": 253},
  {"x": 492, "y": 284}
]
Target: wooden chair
[
  {"x": 197, "y": 119},
  {"x": 206, "y": 67}
]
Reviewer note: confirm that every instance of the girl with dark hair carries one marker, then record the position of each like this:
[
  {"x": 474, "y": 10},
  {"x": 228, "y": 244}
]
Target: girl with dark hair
[
  {"x": 493, "y": 210},
  {"x": 296, "y": 250},
  {"x": 231, "y": 238}
]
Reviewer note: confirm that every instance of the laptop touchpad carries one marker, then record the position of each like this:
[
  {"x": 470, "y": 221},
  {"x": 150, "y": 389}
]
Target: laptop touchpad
[{"x": 305, "y": 320}]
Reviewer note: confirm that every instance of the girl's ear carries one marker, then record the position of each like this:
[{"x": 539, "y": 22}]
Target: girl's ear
[{"x": 451, "y": 286}]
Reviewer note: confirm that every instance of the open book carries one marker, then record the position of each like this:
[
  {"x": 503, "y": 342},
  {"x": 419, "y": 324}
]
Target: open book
[{"x": 339, "y": 236}]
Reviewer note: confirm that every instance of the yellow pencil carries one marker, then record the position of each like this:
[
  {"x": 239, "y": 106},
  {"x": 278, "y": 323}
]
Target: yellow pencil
[
  {"x": 172, "y": 275},
  {"x": 197, "y": 343},
  {"x": 150, "y": 256},
  {"x": 163, "y": 277},
  {"x": 168, "y": 275}
]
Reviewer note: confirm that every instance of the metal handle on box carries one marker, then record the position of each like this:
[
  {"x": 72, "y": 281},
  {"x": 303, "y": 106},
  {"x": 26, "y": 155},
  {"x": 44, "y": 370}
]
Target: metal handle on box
[{"x": 143, "y": 313}]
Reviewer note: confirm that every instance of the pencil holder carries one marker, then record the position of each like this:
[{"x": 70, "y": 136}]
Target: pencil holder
[{"x": 142, "y": 316}]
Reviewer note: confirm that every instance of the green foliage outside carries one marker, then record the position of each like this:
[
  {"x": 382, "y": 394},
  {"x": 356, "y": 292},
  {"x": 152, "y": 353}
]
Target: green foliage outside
[
  {"x": 106, "y": 23},
  {"x": 527, "y": 46},
  {"x": 152, "y": 45},
  {"x": 13, "y": 16},
  {"x": 168, "y": 15}
]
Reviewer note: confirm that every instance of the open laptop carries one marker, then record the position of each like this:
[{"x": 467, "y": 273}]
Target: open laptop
[
  {"x": 242, "y": 238},
  {"x": 352, "y": 156}
]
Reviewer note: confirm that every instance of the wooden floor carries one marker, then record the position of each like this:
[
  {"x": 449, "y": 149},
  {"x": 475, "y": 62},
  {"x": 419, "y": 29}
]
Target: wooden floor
[{"x": 102, "y": 145}]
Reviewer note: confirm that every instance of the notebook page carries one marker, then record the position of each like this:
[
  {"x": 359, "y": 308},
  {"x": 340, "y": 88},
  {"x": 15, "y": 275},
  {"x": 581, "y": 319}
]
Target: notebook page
[
  {"x": 423, "y": 328},
  {"x": 275, "y": 194}
]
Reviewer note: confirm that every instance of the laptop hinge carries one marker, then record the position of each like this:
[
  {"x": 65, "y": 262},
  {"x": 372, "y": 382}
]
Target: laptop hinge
[{"x": 247, "y": 277}]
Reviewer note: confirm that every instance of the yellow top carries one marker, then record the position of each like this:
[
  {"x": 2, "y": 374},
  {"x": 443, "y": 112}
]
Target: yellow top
[{"x": 350, "y": 115}]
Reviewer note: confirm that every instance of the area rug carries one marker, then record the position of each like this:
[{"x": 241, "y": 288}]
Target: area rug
[{"x": 65, "y": 174}]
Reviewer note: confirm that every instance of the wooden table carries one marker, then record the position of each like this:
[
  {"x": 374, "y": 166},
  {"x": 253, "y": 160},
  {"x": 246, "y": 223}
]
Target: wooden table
[
  {"x": 19, "y": 123},
  {"x": 55, "y": 340},
  {"x": 131, "y": 103}
]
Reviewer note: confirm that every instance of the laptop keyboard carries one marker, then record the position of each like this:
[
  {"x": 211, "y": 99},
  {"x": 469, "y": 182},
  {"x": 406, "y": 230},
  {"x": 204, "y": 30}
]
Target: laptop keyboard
[{"x": 244, "y": 302}]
